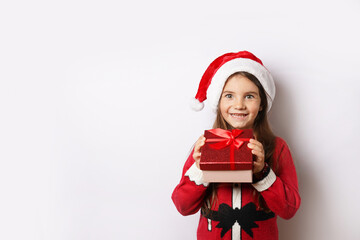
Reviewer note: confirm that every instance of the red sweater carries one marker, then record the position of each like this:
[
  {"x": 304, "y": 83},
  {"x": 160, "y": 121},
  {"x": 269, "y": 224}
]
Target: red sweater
[{"x": 236, "y": 214}]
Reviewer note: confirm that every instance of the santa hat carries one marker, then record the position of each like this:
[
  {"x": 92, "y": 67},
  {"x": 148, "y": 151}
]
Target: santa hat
[{"x": 215, "y": 76}]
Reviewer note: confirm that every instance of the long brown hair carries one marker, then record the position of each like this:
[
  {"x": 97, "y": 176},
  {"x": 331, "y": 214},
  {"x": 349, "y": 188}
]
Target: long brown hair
[{"x": 263, "y": 133}]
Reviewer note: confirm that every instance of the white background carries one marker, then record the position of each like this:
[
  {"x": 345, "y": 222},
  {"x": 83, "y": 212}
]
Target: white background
[{"x": 95, "y": 124}]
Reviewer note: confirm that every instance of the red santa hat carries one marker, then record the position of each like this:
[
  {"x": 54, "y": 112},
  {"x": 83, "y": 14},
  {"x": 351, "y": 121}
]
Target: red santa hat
[{"x": 215, "y": 76}]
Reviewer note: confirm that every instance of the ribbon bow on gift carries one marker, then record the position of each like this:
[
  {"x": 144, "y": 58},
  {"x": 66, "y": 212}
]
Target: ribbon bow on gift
[{"x": 227, "y": 138}]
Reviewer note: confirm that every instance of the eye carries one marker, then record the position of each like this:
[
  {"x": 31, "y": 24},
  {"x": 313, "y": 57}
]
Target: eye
[
  {"x": 229, "y": 95},
  {"x": 249, "y": 96}
]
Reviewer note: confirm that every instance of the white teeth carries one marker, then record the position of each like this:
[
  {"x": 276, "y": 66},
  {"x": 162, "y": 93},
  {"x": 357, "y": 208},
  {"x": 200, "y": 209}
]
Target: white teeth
[{"x": 238, "y": 115}]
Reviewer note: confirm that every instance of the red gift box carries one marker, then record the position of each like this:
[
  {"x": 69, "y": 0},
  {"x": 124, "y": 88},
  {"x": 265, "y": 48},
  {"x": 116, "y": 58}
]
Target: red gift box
[{"x": 225, "y": 156}]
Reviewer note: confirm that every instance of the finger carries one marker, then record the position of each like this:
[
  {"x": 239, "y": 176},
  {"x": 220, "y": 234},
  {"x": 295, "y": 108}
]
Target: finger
[
  {"x": 197, "y": 155},
  {"x": 254, "y": 141},
  {"x": 202, "y": 141},
  {"x": 199, "y": 143},
  {"x": 197, "y": 148},
  {"x": 259, "y": 155},
  {"x": 257, "y": 143},
  {"x": 255, "y": 147},
  {"x": 258, "y": 165}
]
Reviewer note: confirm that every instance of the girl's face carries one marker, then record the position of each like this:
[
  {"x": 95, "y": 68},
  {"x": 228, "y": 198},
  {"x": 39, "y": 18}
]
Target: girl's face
[{"x": 240, "y": 102}]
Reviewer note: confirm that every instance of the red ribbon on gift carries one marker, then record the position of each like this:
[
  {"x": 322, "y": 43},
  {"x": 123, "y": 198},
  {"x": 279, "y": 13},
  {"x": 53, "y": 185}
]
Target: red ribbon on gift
[{"x": 227, "y": 138}]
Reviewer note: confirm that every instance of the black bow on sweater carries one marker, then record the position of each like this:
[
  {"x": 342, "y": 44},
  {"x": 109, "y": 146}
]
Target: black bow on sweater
[{"x": 246, "y": 217}]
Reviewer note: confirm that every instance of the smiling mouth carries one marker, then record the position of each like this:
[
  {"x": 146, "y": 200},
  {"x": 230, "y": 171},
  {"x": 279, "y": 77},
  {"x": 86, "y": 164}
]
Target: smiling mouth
[{"x": 238, "y": 115}]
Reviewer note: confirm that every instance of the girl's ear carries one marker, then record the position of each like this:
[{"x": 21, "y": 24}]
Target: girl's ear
[{"x": 260, "y": 109}]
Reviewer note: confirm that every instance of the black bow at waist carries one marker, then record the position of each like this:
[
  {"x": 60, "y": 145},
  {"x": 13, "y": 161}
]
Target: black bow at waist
[{"x": 246, "y": 217}]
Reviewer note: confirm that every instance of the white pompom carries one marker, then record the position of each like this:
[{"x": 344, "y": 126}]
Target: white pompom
[{"x": 196, "y": 105}]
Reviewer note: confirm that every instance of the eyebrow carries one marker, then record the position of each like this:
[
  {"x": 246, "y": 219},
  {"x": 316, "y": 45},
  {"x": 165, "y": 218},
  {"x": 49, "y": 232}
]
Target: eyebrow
[
  {"x": 228, "y": 92},
  {"x": 251, "y": 92},
  {"x": 255, "y": 93}
]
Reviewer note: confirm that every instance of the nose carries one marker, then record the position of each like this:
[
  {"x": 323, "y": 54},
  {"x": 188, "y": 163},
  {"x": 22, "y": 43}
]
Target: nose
[{"x": 239, "y": 104}]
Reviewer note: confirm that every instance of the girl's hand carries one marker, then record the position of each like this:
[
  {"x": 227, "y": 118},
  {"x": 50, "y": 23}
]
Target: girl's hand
[
  {"x": 197, "y": 150},
  {"x": 258, "y": 150}
]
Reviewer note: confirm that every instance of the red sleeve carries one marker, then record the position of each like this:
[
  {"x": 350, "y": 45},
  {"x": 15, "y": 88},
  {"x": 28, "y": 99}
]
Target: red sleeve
[
  {"x": 189, "y": 194},
  {"x": 282, "y": 197}
]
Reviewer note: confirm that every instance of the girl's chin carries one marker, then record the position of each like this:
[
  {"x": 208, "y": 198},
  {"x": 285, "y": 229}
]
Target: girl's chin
[{"x": 240, "y": 126}]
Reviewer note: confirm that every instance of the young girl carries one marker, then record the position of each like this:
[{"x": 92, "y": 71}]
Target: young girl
[{"x": 241, "y": 90}]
